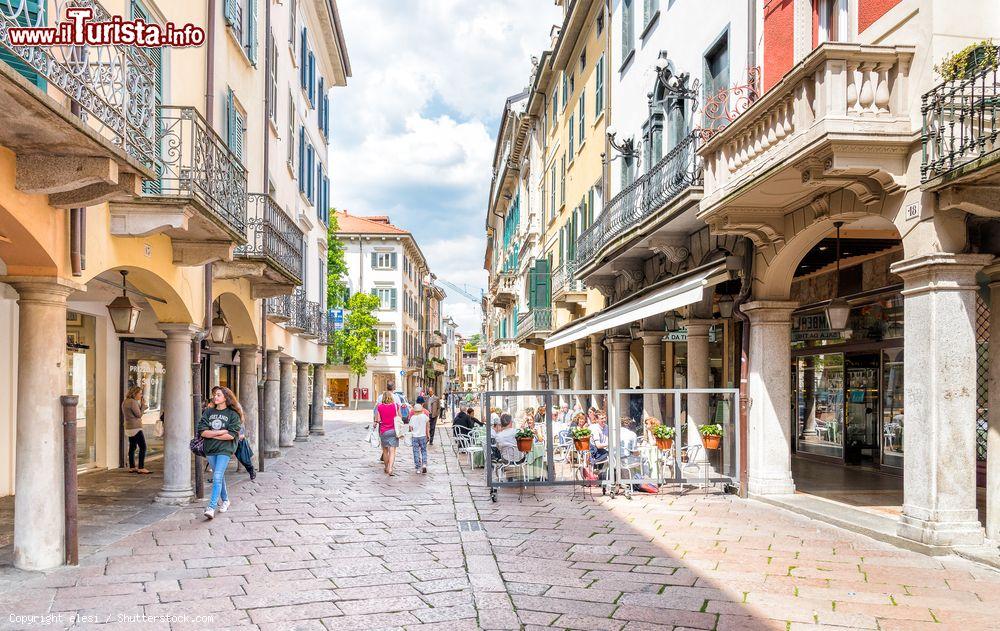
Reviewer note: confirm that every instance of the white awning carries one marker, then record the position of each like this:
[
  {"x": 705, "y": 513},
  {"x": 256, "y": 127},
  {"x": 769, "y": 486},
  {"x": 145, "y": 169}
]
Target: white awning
[{"x": 684, "y": 291}]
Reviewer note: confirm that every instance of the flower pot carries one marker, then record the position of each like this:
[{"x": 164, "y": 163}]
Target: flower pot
[
  {"x": 524, "y": 444},
  {"x": 663, "y": 444},
  {"x": 582, "y": 444},
  {"x": 711, "y": 442}
]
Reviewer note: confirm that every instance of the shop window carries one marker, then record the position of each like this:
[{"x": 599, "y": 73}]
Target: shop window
[
  {"x": 819, "y": 403},
  {"x": 81, "y": 375},
  {"x": 145, "y": 366}
]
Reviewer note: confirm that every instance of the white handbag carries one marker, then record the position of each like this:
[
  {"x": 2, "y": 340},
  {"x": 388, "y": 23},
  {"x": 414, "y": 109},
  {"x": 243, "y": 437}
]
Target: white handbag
[{"x": 373, "y": 438}]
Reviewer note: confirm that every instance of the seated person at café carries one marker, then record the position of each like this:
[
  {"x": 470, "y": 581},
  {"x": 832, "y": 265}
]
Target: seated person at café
[
  {"x": 506, "y": 441},
  {"x": 529, "y": 423},
  {"x": 599, "y": 438}
]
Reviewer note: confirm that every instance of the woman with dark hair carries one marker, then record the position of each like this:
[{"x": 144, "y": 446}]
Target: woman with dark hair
[
  {"x": 220, "y": 427},
  {"x": 133, "y": 407}
]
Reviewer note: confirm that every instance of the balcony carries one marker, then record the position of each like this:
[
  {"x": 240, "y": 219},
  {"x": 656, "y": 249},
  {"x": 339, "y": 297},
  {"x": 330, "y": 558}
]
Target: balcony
[
  {"x": 567, "y": 289},
  {"x": 312, "y": 315},
  {"x": 436, "y": 339},
  {"x": 81, "y": 119},
  {"x": 297, "y": 323},
  {"x": 838, "y": 120},
  {"x": 503, "y": 351},
  {"x": 279, "y": 309},
  {"x": 533, "y": 327},
  {"x": 414, "y": 363},
  {"x": 503, "y": 289},
  {"x": 199, "y": 199},
  {"x": 959, "y": 134},
  {"x": 272, "y": 256},
  {"x": 634, "y": 217}
]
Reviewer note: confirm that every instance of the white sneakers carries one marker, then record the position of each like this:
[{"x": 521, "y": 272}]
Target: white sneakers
[
  {"x": 209, "y": 513},
  {"x": 224, "y": 506}
]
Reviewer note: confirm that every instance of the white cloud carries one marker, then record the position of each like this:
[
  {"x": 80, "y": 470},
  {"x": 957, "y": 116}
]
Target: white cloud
[{"x": 414, "y": 130}]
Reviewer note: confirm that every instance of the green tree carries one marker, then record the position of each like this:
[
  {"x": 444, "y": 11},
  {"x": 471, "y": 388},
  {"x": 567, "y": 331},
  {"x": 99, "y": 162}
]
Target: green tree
[
  {"x": 358, "y": 341},
  {"x": 336, "y": 265}
]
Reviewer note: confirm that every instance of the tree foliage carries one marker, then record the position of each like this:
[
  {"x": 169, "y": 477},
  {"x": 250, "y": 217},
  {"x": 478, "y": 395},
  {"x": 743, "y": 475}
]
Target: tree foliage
[
  {"x": 336, "y": 265},
  {"x": 358, "y": 341}
]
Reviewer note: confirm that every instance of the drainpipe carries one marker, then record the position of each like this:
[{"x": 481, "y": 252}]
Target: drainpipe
[
  {"x": 751, "y": 33},
  {"x": 77, "y": 227},
  {"x": 743, "y": 297}
]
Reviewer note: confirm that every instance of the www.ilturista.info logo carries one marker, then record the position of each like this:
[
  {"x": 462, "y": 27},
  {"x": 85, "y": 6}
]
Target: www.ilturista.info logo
[{"x": 79, "y": 29}]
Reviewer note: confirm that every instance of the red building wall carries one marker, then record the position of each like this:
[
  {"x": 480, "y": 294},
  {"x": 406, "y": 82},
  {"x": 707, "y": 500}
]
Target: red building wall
[
  {"x": 779, "y": 40},
  {"x": 871, "y": 10}
]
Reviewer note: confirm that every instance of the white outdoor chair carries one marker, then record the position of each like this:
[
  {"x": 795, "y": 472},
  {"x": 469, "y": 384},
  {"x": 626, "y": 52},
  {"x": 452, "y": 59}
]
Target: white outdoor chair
[{"x": 699, "y": 468}]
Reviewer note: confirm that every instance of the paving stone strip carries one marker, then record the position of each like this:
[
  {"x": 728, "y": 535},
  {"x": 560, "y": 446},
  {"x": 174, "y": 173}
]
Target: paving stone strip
[{"x": 324, "y": 540}]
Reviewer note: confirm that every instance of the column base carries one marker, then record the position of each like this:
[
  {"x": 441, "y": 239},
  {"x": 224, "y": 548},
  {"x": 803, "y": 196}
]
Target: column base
[
  {"x": 966, "y": 531},
  {"x": 286, "y": 445},
  {"x": 302, "y": 439},
  {"x": 272, "y": 454},
  {"x": 770, "y": 486},
  {"x": 317, "y": 432},
  {"x": 178, "y": 497}
]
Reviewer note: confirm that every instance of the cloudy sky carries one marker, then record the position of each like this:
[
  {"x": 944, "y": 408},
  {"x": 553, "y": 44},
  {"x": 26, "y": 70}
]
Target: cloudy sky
[{"x": 414, "y": 130}]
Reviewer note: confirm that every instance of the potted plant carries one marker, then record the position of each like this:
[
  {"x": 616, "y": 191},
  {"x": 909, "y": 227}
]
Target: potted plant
[
  {"x": 711, "y": 435},
  {"x": 525, "y": 439},
  {"x": 969, "y": 61},
  {"x": 581, "y": 438},
  {"x": 664, "y": 437}
]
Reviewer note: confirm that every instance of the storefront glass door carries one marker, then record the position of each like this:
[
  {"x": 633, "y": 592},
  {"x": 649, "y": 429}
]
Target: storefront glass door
[
  {"x": 819, "y": 396},
  {"x": 81, "y": 378},
  {"x": 145, "y": 366},
  {"x": 892, "y": 407},
  {"x": 861, "y": 434}
]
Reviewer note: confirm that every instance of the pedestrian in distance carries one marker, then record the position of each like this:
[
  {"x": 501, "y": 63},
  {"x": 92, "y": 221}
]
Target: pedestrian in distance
[
  {"x": 133, "y": 407},
  {"x": 418, "y": 433},
  {"x": 386, "y": 412},
  {"x": 433, "y": 413},
  {"x": 220, "y": 426}
]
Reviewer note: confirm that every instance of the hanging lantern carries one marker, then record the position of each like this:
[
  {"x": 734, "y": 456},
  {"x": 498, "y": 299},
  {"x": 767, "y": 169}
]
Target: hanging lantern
[
  {"x": 220, "y": 328},
  {"x": 837, "y": 311},
  {"x": 124, "y": 312},
  {"x": 726, "y": 306}
]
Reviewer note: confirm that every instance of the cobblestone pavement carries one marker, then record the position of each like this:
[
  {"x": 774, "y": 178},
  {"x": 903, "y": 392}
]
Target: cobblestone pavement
[{"x": 323, "y": 540}]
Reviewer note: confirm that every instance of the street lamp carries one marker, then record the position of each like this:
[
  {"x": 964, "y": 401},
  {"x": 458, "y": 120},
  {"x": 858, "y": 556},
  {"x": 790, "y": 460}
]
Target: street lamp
[
  {"x": 626, "y": 147},
  {"x": 837, "y": 311},
  {"x": 220, "y": 328},
  {"x": 675, "y": 85},
  {"x": 726, "y": 306},
  {"x": 123, "y": 311}
]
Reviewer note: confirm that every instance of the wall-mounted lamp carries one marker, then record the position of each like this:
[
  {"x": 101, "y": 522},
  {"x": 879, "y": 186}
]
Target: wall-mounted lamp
[
  {"x": 626, "y": 147},
  {"x": 675, "y": 85}
]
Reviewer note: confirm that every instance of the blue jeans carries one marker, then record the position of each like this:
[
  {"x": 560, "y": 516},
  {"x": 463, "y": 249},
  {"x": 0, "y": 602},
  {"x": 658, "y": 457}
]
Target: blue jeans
[
  {"x": 419, "y": 452},
  {"x": 218, "y": 462}
]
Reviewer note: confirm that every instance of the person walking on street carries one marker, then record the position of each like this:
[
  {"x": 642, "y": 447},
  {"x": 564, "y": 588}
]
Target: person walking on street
[
  {"x": 434, "y": 412},
  {"x": 386, "y": 412},
  {"x": 418, "y": 433},
  {"x": 220, "y": 426},
  {"x": 133, "y": 407}
]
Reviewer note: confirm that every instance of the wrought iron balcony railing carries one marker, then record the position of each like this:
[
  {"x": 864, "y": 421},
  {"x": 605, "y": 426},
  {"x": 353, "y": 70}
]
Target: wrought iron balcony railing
[
  {"x": 312, "y": 315},
  {"x": 534, "y": 323},
  {"x": 280, "y": 308},
  {"x": 299, "y": 307},
  {"x": 272, "y": 237},
  {"x": 195, "y": 162},
  {"x": 679, "y": 170},
  {"x": 564, "y": 279},
  {"x": 961, "y": 122},
  {"x": 114, "y": 86}
]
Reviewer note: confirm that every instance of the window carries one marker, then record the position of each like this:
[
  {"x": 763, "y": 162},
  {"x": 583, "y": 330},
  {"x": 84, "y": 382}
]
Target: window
[
  {"x": 581, "y": 115},
  {"x": 303, "y": 56},
  {"x": 717, "y": 67},
  {"x": 292, "y": 6},
  {"x": 302, "y": 159},
  {"x": 552, "y": 192},
  {"x": 572, "y": 85},
  {"x": 291, "y": 131},
  {"x": 386, "y": 297},
  {"x": 272, "y": 82},
  {"x": 311, "y": 78},
  {"x": 599, "y": 87},
  {"x": 387, "y": 341},
  {"x": 555, "y": 113},
  {"x": 627, "y": 171},
  {"x": 565, "y": 90},
  {"x": 308, "y": 170},
  {"x": 652, "y": 131},
  {"x": 384, "y": 260},
  {"x": 571, "y": 128},
  {"x": 600, "y": 23},
  {"x": 628, "y": 29},
  {"x": 241, "y": 18},
  {"x": 236, "y": 126},
  {"x": 583, "y": 60},
  {"x": 562, "y": 182},
  {"x": 649, "y": 9},
  {"x": 832, "y": 21}
]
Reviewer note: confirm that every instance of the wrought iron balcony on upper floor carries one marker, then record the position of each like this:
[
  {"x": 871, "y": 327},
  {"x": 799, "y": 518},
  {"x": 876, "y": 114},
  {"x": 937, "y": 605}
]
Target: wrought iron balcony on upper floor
[
  {"x": 567, "y": 289},
  {"x": 641, "y": 206},
  {"x": 274, "y": 248},
  {"x": 534, "y": 326},
  {"x": 80, "y": 118},
  {"x": 961, "y": 126}
]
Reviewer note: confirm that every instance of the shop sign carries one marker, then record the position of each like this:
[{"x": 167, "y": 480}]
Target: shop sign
[
  {"x": 812, "y": 326},
  {"x": 337, "y": 319},
  {"x": 681, "y": 335}
]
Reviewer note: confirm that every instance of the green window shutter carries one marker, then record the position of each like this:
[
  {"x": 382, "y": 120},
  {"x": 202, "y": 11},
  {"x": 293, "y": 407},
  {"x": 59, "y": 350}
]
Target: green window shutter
[
  {"x": 229, "y": 11},
  {"x": 599, "y": 86},
  {"x": 590, "y": 207},
  {"x": 230, "y": 120},
  {"x": 542, "y": 282},
  {"x": 562, "y": 245},
  {"x": 252, "y": 31},
  {"x": 582, "y": 114},
  {"x": 571, "y": 127},
  {"x": 374, "y": 259}
]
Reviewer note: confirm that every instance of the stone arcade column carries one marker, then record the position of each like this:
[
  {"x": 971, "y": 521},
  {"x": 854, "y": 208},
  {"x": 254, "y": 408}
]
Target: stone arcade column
[
  {"x": 286, "y": 427},
  {"x": 698, "y": 371},
  {"x": 652, "y": 373},
  {"x": 248, "y": 393},
  {"x": 993, "y": 435},
  {"x": 178, "y": 422},
  {"x": 272, "y": 404},
  {"x": 302, "y": 402},
  {"x": 619, "y": 349},
  {"x": 939, "y": 363},
  {"x": 554, "y": 380},
  {"x": 769, "y": 431},
  {"x": 318, "y": 400},
  {"x": 597, "y": 365},
  {"x": 39, "y": 516},
  {"x": 579, "y": 371}
]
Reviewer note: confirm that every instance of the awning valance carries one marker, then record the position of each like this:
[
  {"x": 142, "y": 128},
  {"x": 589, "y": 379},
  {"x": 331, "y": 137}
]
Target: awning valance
[{"x": 675, "y": 293}]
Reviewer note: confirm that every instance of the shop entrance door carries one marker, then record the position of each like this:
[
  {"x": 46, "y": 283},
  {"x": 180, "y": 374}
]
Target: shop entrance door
[
  {"x": 338, "y": 391},
  {"x": 861, "y": 382}
]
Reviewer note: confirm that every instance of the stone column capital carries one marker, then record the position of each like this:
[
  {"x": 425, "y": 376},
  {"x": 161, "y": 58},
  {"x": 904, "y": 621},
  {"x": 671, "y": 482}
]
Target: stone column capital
[
  {"x": 248, "y": 348},
  {"x": 992, "y": 272},
  {"x": 698, "y": 327},
  {"x": 940, "y": 272},
  {"x": 775, "y": 312},
  {"x": 618, "y": 343},
  {"x": 43, "y": 289},
  {"x": 581, "y": 345},
  {"x": 179, "y": 330},
  {"x": 300, "y": 364},
  {"x": 652, "y": 338},
  {"x": 286, "y": 360},
  {"x": 596, "y": 338}
]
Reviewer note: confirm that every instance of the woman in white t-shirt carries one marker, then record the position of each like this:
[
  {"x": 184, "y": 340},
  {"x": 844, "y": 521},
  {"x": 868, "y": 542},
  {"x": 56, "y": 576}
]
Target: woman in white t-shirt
[{"x": 418, "y": 432}]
